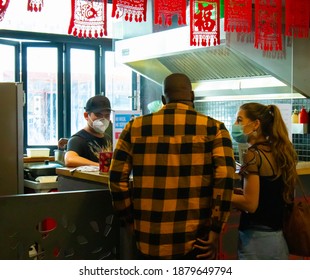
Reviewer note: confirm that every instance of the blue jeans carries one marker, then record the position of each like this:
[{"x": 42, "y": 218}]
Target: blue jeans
[{"x": 262, "y": 245}]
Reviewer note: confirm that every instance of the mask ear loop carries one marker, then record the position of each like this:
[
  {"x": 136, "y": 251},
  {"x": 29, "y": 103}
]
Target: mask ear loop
[{"x": 255, "y": 130}]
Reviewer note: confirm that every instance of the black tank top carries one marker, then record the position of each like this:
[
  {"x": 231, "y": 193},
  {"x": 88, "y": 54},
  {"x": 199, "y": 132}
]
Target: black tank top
[{"x": 271, "y": 203}]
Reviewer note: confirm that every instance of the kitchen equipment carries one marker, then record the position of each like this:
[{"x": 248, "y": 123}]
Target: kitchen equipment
[
  {"x": 60, "y": 156},
  {"x": 36, "y": 169},
  {"x": 40, "y": 176},
  {"x": 38, "y": 187},
  {"x": 11, "y": 140}
]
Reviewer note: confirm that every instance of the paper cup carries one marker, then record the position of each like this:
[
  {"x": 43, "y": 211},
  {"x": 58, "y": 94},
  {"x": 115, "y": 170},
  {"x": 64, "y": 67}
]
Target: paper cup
[{"x": 105, "y": 161}]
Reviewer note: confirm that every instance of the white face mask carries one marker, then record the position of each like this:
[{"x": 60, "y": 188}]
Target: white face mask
[{"x": 100, "y": 125}]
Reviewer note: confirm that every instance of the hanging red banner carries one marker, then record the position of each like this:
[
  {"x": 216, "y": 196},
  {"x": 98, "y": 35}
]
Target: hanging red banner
[
  {"x": 3, "y": 6},
  {"x": 268, "y": 25},
  {"x": 238, "y": 15},
  {"x": 35, "y": 5},
  {"x": 165, "y": 10},
  {"x": 133, "y": 9},
  {"x": 204, "y": 22},
  {"x": 297, "y": 17},
  {"x": 88, "y": 19}
]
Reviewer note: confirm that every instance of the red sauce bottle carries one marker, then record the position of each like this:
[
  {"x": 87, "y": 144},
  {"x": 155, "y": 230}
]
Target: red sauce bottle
[{"x": 303, "y": 115}]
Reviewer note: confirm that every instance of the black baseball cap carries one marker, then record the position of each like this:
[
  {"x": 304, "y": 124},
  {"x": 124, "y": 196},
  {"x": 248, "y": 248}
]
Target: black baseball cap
[{"x": 97, "y": 104}]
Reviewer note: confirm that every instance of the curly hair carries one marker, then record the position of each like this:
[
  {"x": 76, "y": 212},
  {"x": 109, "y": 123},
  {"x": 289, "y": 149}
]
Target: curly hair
[{"x": 274, "y": 129}]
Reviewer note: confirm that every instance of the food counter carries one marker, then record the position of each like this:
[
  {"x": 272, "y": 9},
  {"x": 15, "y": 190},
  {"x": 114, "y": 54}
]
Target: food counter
[
  {"x": 303, "y": 168},
  {"x": 70, "y": 179}
]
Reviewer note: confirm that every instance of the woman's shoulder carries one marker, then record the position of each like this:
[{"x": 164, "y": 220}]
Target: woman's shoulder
[
  {"x": 260, "y": 146},
  {"x": 251, "y": 161}
]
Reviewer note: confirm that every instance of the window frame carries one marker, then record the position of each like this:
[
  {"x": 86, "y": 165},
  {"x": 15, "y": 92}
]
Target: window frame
[
  {"x": 67, "y": 73},
  {"x": 16, "y": 45},
  {"x": 59, "y": 47}
]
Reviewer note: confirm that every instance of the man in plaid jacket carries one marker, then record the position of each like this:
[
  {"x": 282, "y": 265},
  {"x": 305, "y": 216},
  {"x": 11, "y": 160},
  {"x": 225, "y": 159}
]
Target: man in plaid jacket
[{"x": 183, "y": 166}]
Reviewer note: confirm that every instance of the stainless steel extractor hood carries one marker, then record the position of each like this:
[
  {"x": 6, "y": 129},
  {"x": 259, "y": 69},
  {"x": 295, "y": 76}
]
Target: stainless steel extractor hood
[{"x": 215, "y": 71}]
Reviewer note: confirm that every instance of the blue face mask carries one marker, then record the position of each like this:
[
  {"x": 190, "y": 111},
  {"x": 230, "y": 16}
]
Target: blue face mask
[{"x": 238, "y": 134}]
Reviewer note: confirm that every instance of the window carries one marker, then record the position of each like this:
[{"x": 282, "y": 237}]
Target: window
[
  {"x": 119, "y": 88},
  {"x": 8, "y": 53},
  {"x": 58, "y": 79},
  {"x": 82, "y": 65},
  {"x": 42, "y": 95}
]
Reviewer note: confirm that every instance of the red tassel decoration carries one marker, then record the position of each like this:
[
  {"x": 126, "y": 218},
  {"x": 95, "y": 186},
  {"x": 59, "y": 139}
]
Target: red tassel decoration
[
  {"x": 3, "y": 6},
  {"x": 165, "y": 10},
  {"x": 88, "y": 19},
  {"x": 297, "y": 15},
  {"x": 204, "y": 22},
  {"x": 133, "y": 9},
  {"x": 35, "y": 5},
  {"x": 268, "y": 25},
  {"x": 238, "y": 15}
]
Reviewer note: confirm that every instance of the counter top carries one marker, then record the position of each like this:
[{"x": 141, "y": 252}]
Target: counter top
[
  {"x": 38, "y": 159},
  {"x": 303, "y": 168},
  {"x": 94, "y": 176}
]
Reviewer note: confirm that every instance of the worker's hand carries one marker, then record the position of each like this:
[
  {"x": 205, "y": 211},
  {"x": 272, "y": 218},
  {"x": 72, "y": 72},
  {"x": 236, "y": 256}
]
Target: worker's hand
[{"x": 62, "y": 143}]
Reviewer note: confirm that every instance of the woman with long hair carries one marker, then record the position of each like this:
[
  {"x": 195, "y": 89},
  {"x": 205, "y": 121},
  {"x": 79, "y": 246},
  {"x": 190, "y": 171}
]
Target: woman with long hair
[{"x": 268, "y": 176}]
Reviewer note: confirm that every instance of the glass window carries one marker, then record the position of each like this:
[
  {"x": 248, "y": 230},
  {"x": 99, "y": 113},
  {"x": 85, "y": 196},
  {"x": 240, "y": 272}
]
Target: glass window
[
  {"x": 42, "y": 84},
  {"x": 118, "y": 83},
  {"x": 82, "y": 66},
  {"x": 7, "y": 69}
]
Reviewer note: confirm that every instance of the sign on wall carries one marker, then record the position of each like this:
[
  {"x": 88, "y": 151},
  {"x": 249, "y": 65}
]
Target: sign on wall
[{"x": 120, "y": 119}]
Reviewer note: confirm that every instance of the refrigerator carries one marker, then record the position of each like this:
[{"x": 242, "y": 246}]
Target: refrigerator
[{"x": 11, "y": 139}]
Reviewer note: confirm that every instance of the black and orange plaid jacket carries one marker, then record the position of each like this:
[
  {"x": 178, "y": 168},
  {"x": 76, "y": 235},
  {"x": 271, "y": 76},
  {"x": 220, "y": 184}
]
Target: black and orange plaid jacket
[{"x": 183, "y": 166}]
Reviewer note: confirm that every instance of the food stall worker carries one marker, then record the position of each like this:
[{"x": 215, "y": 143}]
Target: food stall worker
[{"x": 83, "y": 147}]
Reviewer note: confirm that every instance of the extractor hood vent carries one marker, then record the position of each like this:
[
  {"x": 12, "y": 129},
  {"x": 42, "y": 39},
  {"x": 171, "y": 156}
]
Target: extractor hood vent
[
  {"x": 211, "y": 64},
  {"x": 157, "y": 55}
]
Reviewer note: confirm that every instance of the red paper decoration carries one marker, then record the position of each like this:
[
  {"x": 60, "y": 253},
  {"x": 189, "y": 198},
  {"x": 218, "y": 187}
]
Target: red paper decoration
[
  {"x": 3, "y": 6},
  {"x": 133, "y": 9},
  {"x": 238, "y": 15},
  {"x": 205, "y": 22},
  {"x": 35, "y": 5},
  {"x": 297, "y": 15},
  {"x": 165, "y": 10},
  {"x": 268, "y": 25},
  {"x": 88, "y": 19}
]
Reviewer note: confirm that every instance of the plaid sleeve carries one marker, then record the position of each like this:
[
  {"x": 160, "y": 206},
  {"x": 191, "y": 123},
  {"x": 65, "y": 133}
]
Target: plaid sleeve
[
  {"x": 120, "y": 170},
  {"x": 224, "y": 170}
]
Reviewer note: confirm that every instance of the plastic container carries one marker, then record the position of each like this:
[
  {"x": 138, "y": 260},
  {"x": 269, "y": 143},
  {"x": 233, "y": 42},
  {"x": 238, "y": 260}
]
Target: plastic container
[
  {"x": 303, "y": 115},
  {"x": 295, "y": 116},
  {"x": 38, "y": 152}
]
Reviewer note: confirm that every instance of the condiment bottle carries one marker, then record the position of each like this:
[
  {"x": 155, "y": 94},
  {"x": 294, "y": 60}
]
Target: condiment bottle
[
  {"x": 303, "y": 115},
  {"x": 294, "y": 116}
]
